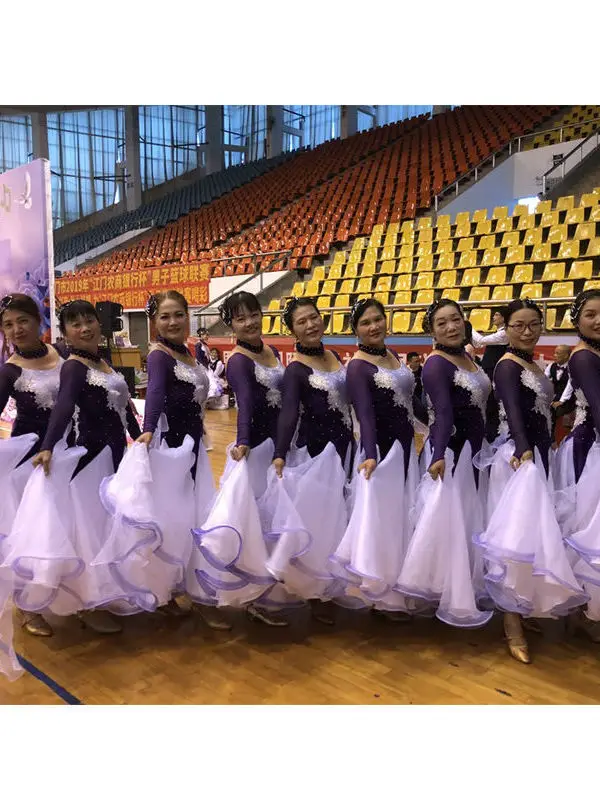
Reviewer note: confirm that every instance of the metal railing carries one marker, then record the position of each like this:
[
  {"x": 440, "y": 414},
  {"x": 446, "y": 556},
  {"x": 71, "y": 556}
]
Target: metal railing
[{"x": 574, "y": 157}]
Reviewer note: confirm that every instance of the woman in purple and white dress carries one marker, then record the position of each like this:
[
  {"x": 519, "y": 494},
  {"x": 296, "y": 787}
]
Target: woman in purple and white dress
[
  {"x": 441, "y": 567},
  {"x": 527, "y": 570},
  {"x": 60, "y": 524},
  {"x": 578, "y": 462},
  {"x": 381, "y": 389},
  {"x": 305, "y": 502}
]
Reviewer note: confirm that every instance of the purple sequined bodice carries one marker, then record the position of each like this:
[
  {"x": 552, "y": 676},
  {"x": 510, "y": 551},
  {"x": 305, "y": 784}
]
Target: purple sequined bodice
[
  {"x": 258, "y": 394},
  {"x": 584, "y": 369},
  {"x": 34, "y": 391}
]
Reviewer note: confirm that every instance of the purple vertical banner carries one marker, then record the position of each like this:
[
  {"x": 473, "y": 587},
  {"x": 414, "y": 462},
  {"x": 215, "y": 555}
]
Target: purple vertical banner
[{"x": 26, "y": 251}]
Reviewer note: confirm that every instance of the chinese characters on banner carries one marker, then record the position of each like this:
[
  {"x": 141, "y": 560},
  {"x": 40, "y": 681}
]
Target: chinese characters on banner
[{"x": 131, "y": 289}]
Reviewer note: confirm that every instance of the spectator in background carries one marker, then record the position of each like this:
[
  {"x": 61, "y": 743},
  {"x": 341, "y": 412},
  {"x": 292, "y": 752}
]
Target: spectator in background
[
  {"x": 495, "y": 345},
  {"x": 217, "y": 367},
  {"x": 415, "y": 363},
  {"x": 202, "y": 350},
  {"x": 563, "y": 404},
  {"x": 469, "y": 343}
]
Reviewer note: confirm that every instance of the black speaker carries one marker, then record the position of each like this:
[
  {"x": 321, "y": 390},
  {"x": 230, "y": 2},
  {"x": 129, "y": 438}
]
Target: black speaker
[
  {"x": 110, "y": 317},
  {"x": 129, "y": 374}
]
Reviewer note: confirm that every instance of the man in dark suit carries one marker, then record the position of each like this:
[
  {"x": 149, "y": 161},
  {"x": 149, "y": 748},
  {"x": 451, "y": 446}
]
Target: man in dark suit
[{"x": 415, "y": 363}]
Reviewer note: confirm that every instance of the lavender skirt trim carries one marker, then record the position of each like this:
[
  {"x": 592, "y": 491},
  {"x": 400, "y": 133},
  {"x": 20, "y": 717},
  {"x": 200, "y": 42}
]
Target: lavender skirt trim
[{"x": 432, "y": 599}]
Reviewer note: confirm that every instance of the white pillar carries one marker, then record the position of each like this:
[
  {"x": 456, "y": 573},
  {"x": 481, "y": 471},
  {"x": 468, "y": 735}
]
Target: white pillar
[
  {"x": 274, "y": 131},
  {"x": 133, "y": 181},
  {"x": 214, "y": 139},
  {"x": 39, "y": 134},
  {"x": 349, "y": 121}
]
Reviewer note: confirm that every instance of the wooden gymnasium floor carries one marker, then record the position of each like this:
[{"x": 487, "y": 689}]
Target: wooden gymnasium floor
[{"x": 362, "y": 660}]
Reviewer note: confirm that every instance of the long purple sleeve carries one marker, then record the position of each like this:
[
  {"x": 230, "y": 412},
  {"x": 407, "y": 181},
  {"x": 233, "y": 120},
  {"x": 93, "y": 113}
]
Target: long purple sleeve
[
  {"x": 507, "y": 383},
  {"x": 584, "y": 368},
  {"x": 358, "y": 377},
  {"x": 133, "y": 426},
  {"x": 240, "y": 376},
  {"x": 290, "y": 407},
  {"x": 9, "y": 373},
  {"x": 438, "y": 375},
  {"x": 159, "y": 368},
  {"x": 72, "y": 380}
]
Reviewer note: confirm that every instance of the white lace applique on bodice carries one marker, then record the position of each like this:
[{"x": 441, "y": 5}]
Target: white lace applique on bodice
[
  {"x": 401, "y": 383},
  {"x": 271, "y": 378},
  {"x": 477, "y": 384},
  {"x": 581, "y": 408},
  {"x": 334, "y": 384},
  {"x": 115, "y": 386},
  {"x": 41, "y": 383},
  {"x": 197, "y": 376},
  {"x": 543, "y": 389}
]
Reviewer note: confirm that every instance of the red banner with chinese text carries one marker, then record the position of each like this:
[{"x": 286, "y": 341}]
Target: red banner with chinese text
[{"x": 131, "y": 289}]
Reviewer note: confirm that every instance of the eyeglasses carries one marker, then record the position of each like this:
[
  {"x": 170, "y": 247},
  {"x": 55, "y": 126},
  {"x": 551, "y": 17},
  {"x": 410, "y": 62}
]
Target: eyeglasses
[{"x": 520, "y": 327}]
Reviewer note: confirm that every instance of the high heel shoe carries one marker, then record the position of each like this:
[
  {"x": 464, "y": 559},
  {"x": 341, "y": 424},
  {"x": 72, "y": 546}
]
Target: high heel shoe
[
  {"x": 322, "y": 612},
  {"x": 515, "y": 638},
  {"x": 35, "y": 624},
  {"x": 260, "y": 615},
  {"x": 579, "y": 623},
  {"x": 397, "y": 617},
  {"x": 213, "y": 617},
  {"x": 99, "y": 621},
  {"x": 173, "y": 609}
]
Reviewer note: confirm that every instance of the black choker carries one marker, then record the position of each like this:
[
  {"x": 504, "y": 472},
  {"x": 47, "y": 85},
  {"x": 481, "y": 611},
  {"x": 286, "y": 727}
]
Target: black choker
[
  {"x": 594, "y": 343},
  {"x": 373, "y": 351},
  {"x": 177, "y": 348},
  {"x": 39, "y": 352},
  {"x": 451, "y": 351},
  {"x": 95, "y": 357},
  {"x": 310, "y": 351},
  {"x": 528, "y": 357},
  {"x": 254, "y": 348}
]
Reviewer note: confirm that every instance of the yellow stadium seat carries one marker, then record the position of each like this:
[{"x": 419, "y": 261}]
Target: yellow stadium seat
[
  {"x": 425, "y": 249},
  {"x": 391, "y": 240},
  {"x": 266, "y": 325},
  {"x": 549, "y": 219},
  {"x": 408, "y": 237},
  {"x": 443, "y": 221},
  {"x": 593, "y": 248},
  {"x": 339, "y": 257},
  {"x": 364, "y": 285},
  {"x": 426, "y": 235},
  {"x": 486, "y": 243},
  {"x": 484, "y": 227},
  {"x": 468, "y": 259},
  {"x": 425, "y": 297},
  {"x": 515, "y": 254},
  {"x": 384, "y": 284},
  {"x": 424, "y": 263},
  {"x": 591, "y": 285},
  {"x": 468, "y": 243},
  {"x": 444, "y": 246},
  {"x": 585, "y": 230},
  {"x": 383, "y": 297},
  {"x": 403, "y": 283},
  {"x": 335, "y": 272},
  {"x": 544, "y": 207},
  {"x": 533, "y": 290},
  {"x": 523, "y": 273},
  {"x": 375, "y": 239},
  {"x": 402, "y": 298},
  {"x": 312, "y": 288},
  {"x": 323, "y": 302},
  {"x": 274, "y": 305},
  {"x": 347, "y": 287},
  {"x": 541, "y": 252},
  {"x": 417, "y": 326},
  {"x": 378, "y": 229},
  {"x": 446, "y": 261},
  {"x": 407, "y": 225},
  {"x": 491, "y": 258},
  {"x": 462, "y": 217},
  {"x": 500, "y": 212},
  {"x": 589, "y": 200},
  {"x": 557, "y": 234},
  {"x": 520, "y": 210},
  {"x": 329, "y": 287},
  {"x": 407, "y": 251},
  {"x": 510, "y": 239},
  {"x": 355, "y": 257},
  {"x": 581, "y": 270},
  {"x": 480, "y": 319},
  {"x": 424, "y": 280},
  {"x": 388, "y": 267},
  {"x": 480, "y": 215},
  {"x": 471, "y": 277},
  {"x": 569, "y": 250},
  {"x": 463, "y": 229},
  {"x": 565, "y": 323},
  {"x": 358, "y": 244},
  {"x": 451, "y": 294},
  {"x": 342, "y": 301},
  {"x": 327, "y": 319},
  {"x": 595, "y": 214},
  {"x": 404, "y": 265},
  {"x": 479, "y": 294},
  {"x": 533, "y": 237},
  {"x": 298, "y": 289},
  {"x": 447, "y": 279},
  {"x": 442, "y": 233},
  {"x": 319, "y": 274},
  {"x": 550, "y": 319},
  {"x": 575, "y": 216},
  {"x": 367, "y": 269},
  {"x": 502, "y": 293},
  {"x": 401, "y": 322},
  {"x": 371, "y": 254},
  {"x": 424, "y": 222},
  {"x": 389, "y": 251},
  {"x": 351, "y": 271},
  {"x": 526, "y": 222},
  {"x": 503, "y": 225},
  {"x": 277, "y": 326},
  {"x": 496, "y": 276},
  {"x": 565, "y": 203},
  {"x": 561, "y": 289},
  {"x": 554, "y": 272}
]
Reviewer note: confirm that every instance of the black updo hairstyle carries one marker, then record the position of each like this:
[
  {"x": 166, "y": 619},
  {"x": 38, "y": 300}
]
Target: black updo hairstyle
[
  {"x": 69, "y": 312},
  {"x": 154, "y": 301},
  {"x": 235, "y": 302},
  {"x": 434, "y": 308},
  {"x": 519, "y": 305},
  {"x": 468, "y": 333},
  {"x": 291, "y": 306},
  {"x": 580, "y": 301},
  {"x": 20, "y": 302},
  {"x": 359, "y": 308}
]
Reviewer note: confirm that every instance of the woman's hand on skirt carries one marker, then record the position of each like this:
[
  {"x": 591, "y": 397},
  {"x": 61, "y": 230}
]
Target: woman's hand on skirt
[
  {"x": 279, "y": 464},
  {"x": 437, "y": 469},
  {"x": 43, "y": 459},
  {"x": 239, "y": 452},
  {"x": 516, "y": 462},
  {"x": 145, "y": 438},
  {"x": 368, "y": 466}
]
